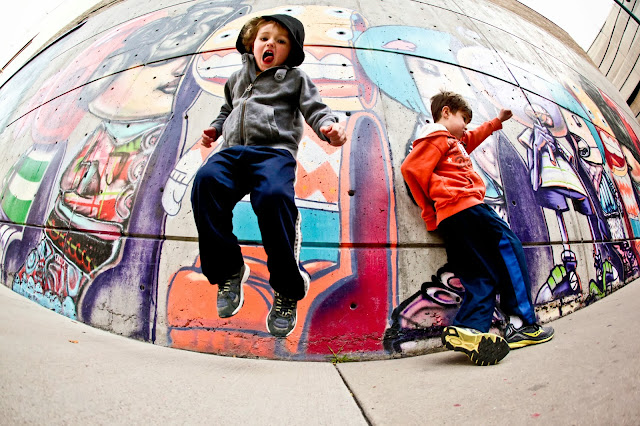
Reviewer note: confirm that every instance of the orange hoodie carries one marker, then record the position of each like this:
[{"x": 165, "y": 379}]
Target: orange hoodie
[{"x": 440, "y": 174}]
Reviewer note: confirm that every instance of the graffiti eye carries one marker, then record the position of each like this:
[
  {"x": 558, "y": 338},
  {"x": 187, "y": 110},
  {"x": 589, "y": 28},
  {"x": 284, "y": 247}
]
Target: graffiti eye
[
  {"x": 343, "y": 34},
  {"x": 583, "y": 149},
  {"x": 227, "y": 36},
  {"x": 338, "y": 13},
  {"x": 292, "y": 10}
]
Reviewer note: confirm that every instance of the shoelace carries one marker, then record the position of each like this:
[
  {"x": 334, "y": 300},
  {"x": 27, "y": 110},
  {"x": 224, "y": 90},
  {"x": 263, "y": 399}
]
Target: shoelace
[
  {"x": 284, "y": 306},
  {"x": 225, "y": 287}
]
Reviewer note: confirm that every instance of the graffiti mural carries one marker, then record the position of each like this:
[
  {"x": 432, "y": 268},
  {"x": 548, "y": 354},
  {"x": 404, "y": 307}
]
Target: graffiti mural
[
  {"x": 555, "y": 159},
  {"x": 101, "y": 141},
  {"x": 103, "y": 188},
  {"x": 365, "y": 279}
]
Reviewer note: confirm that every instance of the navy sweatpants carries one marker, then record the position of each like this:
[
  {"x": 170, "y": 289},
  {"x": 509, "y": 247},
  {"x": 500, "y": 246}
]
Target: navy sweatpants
[
  {"x": 488, "y": 258},
  {"x": 268, "y": 175}
]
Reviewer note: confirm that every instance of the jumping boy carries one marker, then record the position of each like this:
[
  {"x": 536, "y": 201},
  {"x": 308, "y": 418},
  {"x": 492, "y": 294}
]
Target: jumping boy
[
  {"x": 262, "y": 124},
  {"x": 485, "y": 254}
]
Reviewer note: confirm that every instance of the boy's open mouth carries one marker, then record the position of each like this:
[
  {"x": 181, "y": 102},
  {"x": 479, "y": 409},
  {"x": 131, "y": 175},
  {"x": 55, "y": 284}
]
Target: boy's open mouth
[{"x": 267, "y": 57}]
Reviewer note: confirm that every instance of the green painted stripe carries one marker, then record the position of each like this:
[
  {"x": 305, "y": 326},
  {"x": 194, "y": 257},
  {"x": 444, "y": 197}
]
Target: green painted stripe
[
  {"x": 15, "y": 208},
  {"x": 32, "y": 170}
]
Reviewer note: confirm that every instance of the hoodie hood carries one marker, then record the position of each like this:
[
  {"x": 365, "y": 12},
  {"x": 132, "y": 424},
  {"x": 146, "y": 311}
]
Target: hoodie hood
[
  {"x": 296, "y": 35},
  {"x": 430, "y": 128}
]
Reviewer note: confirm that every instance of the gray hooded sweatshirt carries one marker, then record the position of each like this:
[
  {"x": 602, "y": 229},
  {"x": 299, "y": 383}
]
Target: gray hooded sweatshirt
[{"x": 269, "y": 109}]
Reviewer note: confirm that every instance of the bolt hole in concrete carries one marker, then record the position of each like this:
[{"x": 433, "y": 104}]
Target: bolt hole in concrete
[
  {"x": 142, "y": 287},
  {"x": 351, "y": 193},
  {"x": 353, "y": 305}
]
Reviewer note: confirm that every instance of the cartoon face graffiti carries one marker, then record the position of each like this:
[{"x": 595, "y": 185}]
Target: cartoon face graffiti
[
  {"x": 131, "y": 95},
  {"x": 141, "y": 93}
]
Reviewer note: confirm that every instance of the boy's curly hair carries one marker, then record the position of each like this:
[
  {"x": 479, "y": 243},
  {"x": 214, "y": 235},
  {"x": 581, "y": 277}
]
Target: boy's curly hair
[
  {"x": 454, "y": 101},
  {"x": 251, "y": 31}
]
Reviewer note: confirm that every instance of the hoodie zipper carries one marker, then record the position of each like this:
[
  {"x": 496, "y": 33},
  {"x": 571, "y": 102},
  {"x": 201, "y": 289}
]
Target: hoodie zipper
[
  {"x": 244, "y": 105},
  {"x": 248, "y": 89}
]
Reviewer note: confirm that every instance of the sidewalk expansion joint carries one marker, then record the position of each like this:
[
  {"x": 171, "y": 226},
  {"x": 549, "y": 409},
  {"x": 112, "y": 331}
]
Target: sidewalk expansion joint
[{"x": 353, "y": 395}]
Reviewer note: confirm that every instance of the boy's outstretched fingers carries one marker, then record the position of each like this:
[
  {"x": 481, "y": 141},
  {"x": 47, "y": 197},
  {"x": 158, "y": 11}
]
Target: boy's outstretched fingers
[
  {"x": 209, "y": 136},
  {"x": 336, "y": 134}
]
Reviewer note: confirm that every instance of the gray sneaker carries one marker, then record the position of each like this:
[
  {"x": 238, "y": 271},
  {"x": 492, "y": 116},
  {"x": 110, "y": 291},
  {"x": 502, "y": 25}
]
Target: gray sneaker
[
  {"x": 230, "y": 293},
  {"x": 282, "y": 318},
  {"x": 527, "y": 335}
]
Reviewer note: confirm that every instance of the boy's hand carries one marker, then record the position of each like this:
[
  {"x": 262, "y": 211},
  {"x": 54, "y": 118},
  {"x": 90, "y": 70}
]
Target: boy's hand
[
  {"x": 209, "y": 136},
  {"x": 504, "y": 115},
  {"x": 336, "y": 134}
]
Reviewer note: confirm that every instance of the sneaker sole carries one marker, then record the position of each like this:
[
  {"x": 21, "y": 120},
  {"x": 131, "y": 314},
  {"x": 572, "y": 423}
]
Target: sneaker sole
[
  {"x": 523, "y": 343},
  {"x": 245, "y": 277},
  {"x": 281, "y": 335},
  {"x": 306, "y": 279},
  {"x": 482, "y": 349}
]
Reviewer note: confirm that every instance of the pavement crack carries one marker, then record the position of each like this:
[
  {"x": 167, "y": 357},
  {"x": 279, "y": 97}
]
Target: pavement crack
[{"x": 353, "y": 395}]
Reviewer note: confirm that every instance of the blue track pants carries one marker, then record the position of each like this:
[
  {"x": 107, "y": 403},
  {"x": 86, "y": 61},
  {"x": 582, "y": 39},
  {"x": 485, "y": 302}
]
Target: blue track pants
[
  {"x": 268, "y": 175},
  {"x": 488, "y": 258}
]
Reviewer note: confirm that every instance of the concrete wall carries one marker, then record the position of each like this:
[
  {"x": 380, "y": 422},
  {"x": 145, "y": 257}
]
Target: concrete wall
[
  {"x": 99, "y": 146},
  {"x": 616, "y": 52}
]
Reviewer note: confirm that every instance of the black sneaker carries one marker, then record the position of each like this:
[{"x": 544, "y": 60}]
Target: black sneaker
[
  {"x": 282, "y": 318},
  {"x": 527, "y": 335},
  {"x": 230, "y": 293},
  {"x": 481, "y": 348}
]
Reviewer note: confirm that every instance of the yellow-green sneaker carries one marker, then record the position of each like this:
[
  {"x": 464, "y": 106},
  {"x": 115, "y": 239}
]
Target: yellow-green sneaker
[
  {"x": 527, "y": 335},
  {"x": 481, "y": 348}
]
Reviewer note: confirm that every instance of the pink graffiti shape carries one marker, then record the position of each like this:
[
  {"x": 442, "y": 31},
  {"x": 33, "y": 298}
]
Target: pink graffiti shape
[{"x": 403, "y": 45}]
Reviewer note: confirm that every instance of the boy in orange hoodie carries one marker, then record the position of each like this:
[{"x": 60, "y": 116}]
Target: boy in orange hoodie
[{"x": 483, "y": 251}]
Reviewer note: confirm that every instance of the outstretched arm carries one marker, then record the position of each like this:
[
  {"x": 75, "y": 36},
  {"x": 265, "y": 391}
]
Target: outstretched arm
[
  {"x": 318, "y": 115},
  {"x": 476, "y": 136}
]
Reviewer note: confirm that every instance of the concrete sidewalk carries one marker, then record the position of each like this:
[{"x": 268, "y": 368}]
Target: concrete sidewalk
[{"x": 57, "y": 371}]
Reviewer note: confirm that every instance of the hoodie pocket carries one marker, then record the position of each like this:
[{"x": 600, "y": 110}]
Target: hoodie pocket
[{"x": 260, "y": 124}]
